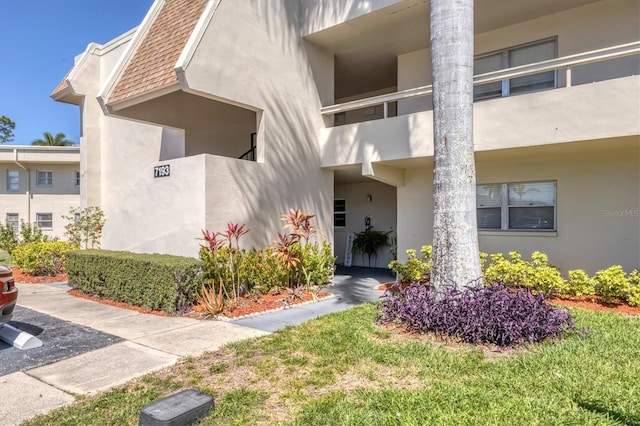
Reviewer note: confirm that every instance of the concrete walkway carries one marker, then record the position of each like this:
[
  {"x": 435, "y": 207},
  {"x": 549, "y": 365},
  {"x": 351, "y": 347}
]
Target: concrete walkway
[{"x": 147, "y": 342}]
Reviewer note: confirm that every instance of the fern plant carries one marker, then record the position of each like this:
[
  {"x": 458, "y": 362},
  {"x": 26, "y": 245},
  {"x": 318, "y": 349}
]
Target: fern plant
[{"x": 369, "y": 242}]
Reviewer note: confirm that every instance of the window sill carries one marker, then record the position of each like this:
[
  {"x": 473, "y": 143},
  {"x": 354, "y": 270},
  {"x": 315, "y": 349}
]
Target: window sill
[{"x": 518, "y": 233}]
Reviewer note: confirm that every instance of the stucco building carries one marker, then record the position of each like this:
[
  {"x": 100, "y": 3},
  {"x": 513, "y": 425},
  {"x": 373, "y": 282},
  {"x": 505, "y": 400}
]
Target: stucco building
[
  {"x": 39, "y": 185},
  {"x": 221, "y": 110}
]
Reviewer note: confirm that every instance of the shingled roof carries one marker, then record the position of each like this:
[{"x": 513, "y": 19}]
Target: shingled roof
[
  {"x": 151, "y": 66},
  {"x": 62, "y": 86}
]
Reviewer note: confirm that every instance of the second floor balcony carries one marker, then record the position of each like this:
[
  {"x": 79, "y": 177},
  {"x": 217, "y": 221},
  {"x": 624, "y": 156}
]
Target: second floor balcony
[{"x": 590, "y": 95}]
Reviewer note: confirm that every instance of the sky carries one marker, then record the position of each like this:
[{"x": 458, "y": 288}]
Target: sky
[{"x": 39, "y": 40}]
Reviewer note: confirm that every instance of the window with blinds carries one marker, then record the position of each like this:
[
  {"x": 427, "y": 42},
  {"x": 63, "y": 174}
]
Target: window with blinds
[
  {"x": 517, "y": 206},
  {"x": 514, "y": 57}
]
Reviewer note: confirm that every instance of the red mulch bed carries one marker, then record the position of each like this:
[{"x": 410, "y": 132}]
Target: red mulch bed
[
  {"x": 595, "y": 303},
  {"x": 247, "y": 305},
  {"x": 20, "y": 277}
]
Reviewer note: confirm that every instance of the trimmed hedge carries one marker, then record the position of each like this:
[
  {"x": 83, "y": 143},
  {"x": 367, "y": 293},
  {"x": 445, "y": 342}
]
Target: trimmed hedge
[{"x": 152, "y": 281}]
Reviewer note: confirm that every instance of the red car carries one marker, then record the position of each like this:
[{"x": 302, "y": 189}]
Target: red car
[{"x": 8, "y": 296}]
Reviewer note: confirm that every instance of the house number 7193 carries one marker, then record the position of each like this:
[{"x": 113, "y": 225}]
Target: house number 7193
[{"x": 161, "y": 171}]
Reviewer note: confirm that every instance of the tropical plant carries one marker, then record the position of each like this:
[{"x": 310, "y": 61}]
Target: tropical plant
[
  {"x": 369, "y": 242},
  {"x": 210, "y": 299},
  {"x": 60, "y": 139},
  {"x": 494, "y": 314},
  {"x": 292, "y": 246},
  {"x": 455, "y": 233}
]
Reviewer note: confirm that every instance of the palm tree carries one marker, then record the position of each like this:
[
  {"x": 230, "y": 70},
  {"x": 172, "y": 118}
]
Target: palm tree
[
  {"x": 59, "y": 139},
  {"x": 455, "y": 229}
]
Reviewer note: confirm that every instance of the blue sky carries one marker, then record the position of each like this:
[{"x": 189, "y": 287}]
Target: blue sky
[{"x": 38, "y": 42}]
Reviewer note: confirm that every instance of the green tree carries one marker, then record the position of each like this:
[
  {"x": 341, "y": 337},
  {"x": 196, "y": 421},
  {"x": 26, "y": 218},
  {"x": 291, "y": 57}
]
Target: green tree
[
  {"x": 59, "y": 139},
  {"x": 85, "y": 227},
  {"x": 455, "y": 230},
  {"x": 6, "y": 129}
]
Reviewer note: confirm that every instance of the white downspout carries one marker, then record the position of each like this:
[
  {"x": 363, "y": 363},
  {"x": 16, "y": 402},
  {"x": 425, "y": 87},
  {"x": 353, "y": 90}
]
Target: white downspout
[{"x": 15, "y": 154}]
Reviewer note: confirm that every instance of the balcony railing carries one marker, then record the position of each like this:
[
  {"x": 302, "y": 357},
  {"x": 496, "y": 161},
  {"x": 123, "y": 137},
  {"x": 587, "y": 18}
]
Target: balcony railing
[{"x": 564, "y": 64}]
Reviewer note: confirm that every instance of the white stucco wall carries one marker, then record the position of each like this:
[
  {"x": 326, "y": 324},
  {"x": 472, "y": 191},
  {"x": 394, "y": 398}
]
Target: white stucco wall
[
  {"x": 381, "y": 209},
  {"x": 271, "y": 74},
  {"x": 598, "y": 200}
]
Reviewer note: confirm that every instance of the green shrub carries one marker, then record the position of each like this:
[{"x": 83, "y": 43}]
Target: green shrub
[
  {"x": 634, "y": 291},
  {"x": 612, "y": 284},
  {"x": 510, "y": 272},
  {"x": 42, "y": 258},
  {"x": 414, "y": 269},
  {"x": 536, "y": 275},
  {"x": 319, "y": 262},
  {"x": 263, "y": 271},
  {"x": 542, "y": 277},
  {"x": 28, "y": 233},
  {"x": 31, "y": 233},
  {"x": 152, "y": 281},
  {"x": 8, "y": 238},
  {"x": 579, "y": 284}
]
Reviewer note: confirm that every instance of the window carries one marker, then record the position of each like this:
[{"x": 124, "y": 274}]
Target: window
[
  {"x": 76, "y": 217},
  {"x": 13, "y": 219},
  {"x": 13, "y": 180},
  {"x": 44, "y": 220},
  {"x": 514, "y": 57},
  {"x": 339, "y": 212},
  {"x": 77, "y": 178},
  {"x": 517, "y": 206},
  {"x": 44, "y": 178}
]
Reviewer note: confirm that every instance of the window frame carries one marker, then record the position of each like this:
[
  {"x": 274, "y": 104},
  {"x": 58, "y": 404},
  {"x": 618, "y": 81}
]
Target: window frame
[
  {"x": 505, "y": 84},
  {"x": 39, "y": 220},
  {"x": 340, "y": 212},
  {"x": 16, "y": 223},
  {"x": 77, "y": 178},
  {"x": 9, "y": 172},
  {"x": 48, "y": 180},
  {"x": 505, "y": 207}
]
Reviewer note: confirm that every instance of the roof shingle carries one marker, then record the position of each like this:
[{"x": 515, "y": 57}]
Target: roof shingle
[{"x": 151, "y": 66}]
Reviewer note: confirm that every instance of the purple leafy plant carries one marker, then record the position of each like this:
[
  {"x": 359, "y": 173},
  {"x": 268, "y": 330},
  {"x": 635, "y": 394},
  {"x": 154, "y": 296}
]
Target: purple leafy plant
[{"x": 478, "y": 315}]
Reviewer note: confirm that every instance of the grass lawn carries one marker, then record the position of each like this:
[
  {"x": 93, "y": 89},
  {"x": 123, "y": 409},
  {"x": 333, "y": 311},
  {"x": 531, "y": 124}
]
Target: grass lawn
[
  {"x": 344, "y": 370},
  {"x": 5, "y": 258}
]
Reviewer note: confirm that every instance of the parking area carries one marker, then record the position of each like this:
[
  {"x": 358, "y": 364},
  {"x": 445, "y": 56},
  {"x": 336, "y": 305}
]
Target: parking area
[{"x": 61, "y": 340}]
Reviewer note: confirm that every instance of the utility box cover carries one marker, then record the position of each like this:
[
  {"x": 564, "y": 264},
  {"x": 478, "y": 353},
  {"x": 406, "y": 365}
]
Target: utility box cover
[{"x": 179, "y": 409}]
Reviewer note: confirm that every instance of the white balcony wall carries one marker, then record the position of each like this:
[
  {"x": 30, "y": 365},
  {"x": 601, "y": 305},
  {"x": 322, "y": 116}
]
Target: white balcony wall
[
  {"x": 599, "y": 110},
  {"x": 210, "y": 127},
  {"x": 598, "y": 203},
  {"x": 160, "y": 215}
]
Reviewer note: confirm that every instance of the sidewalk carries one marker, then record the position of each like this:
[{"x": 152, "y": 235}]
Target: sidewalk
[{"x": 149, "y": 342}]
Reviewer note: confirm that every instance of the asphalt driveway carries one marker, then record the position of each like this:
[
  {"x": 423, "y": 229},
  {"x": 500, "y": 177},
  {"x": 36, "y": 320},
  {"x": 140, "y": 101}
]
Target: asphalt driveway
[{"x": 61, "y": 340}]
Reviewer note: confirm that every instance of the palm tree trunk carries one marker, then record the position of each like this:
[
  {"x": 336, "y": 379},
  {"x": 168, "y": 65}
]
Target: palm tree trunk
[{"x": 455, "y": 233}]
